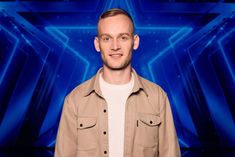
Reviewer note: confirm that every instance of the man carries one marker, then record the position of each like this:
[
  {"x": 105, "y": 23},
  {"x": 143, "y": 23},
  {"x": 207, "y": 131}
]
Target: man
[{"x": 116, "y": 113}]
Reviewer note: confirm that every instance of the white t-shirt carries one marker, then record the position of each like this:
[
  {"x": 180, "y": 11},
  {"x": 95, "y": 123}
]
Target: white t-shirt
[{"x": 116, "y": 96}]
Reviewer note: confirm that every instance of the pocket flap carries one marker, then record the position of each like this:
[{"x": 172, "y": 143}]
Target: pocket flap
[
  {"x": 149, "y": 119},
  {"x": 86, "y": 122}
]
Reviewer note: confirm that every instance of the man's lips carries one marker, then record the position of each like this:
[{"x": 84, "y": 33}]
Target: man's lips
[{"x": 116, "y": 55}]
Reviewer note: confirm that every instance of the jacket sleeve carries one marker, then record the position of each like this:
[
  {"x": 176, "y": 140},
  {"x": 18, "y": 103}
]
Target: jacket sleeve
[
  {"x": 168, "y": 142},
  {"x": 66, "y": 140}
]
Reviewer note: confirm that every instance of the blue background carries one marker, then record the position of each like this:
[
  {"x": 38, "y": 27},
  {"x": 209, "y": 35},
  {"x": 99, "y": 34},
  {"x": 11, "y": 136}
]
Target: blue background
[{"x": 46, "y": 49}]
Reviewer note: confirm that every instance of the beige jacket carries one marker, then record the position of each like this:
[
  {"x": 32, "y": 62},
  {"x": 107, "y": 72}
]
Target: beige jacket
[{"x": 149, "y": 127}]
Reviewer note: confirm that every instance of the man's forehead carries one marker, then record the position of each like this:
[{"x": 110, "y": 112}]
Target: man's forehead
[{"x": 117, "y": 18}]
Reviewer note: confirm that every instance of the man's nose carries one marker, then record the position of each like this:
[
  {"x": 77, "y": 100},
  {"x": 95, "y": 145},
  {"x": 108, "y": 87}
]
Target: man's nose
[{"x": 115, "y": 45}]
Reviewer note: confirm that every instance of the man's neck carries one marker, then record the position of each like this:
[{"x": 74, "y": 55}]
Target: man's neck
[{"x": 117, "y": 77}]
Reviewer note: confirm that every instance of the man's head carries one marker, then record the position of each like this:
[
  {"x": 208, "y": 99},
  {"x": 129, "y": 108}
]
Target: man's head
[{"x": 116, "y": 39}]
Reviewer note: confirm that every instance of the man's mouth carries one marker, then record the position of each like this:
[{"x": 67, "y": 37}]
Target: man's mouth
[{"x": 116, "y": 55}]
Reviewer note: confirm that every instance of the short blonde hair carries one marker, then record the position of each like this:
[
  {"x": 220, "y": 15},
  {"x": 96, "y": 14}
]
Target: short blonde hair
[{"x": 113, "y": 12}]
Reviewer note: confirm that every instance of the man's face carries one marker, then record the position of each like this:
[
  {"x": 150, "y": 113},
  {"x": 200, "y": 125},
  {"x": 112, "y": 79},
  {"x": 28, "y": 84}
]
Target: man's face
[{"x": 116, "y": 41}]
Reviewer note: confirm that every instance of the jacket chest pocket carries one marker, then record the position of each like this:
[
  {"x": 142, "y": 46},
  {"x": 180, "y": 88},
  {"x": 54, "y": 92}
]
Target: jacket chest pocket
[
  {"x": 87, "y": 133},
  {"x": 147, "y": 130}
]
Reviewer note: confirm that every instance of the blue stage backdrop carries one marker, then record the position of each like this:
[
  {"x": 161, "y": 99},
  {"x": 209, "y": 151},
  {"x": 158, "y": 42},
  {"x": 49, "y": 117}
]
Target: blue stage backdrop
[{"x": 188, "y": 48}]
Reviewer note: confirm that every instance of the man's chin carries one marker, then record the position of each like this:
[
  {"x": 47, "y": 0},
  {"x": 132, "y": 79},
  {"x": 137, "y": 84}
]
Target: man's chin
[{"x": 117, "y": 68}]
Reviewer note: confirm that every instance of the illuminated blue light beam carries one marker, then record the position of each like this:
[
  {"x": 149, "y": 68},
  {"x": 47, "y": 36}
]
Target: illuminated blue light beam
[
  {"x": 216, "y": 101},
  {"x": 178, "y": 36},
  {"x": 11, "y": 54},
  {"x": 52, "y": 144},
  {"x": 184, "y": 117},
  {"x": 64, "y": 39},
  {"x": 173, "y": 39},
  {"x": 185, "y": 145},
  {"x": 58, "y": 35},
  {"x": 224, "y": 54},
  {"x": 108, "y": 5}
]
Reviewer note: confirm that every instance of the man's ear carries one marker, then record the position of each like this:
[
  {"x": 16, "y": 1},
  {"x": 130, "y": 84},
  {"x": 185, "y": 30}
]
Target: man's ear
[
  {"x": 136, "y": 42},
  {"x": 97, "y": 44}
]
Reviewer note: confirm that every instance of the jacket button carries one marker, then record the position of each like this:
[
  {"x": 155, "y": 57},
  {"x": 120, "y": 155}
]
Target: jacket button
[
  {"x": 104, "y": 110},
  {"x": 81, "y": 125},
  {"x": 105, "y": 152},
  {"x": 151, "y": 122},
  {"x": 104, "y": 132}
]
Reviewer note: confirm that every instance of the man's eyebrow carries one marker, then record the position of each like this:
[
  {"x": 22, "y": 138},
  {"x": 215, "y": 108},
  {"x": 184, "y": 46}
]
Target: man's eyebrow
[
  {"x": 104, "y": 35},
  {"x": 125, "y": 34},
  {"x": 121, "y": 34}
]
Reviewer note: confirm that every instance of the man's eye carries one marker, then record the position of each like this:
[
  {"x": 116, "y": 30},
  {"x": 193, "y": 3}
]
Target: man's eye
[
  {"x": 124, "y": 38},
  {"x": 106, "y": 39}
]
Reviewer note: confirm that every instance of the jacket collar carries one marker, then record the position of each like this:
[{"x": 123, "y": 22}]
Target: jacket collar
[{"x": 95, "y": 87}]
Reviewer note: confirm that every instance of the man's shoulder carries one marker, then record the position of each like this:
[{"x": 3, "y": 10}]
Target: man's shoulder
[
  {"x": 151, "y": 87},
  {"x": 82, "y": 88}
]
